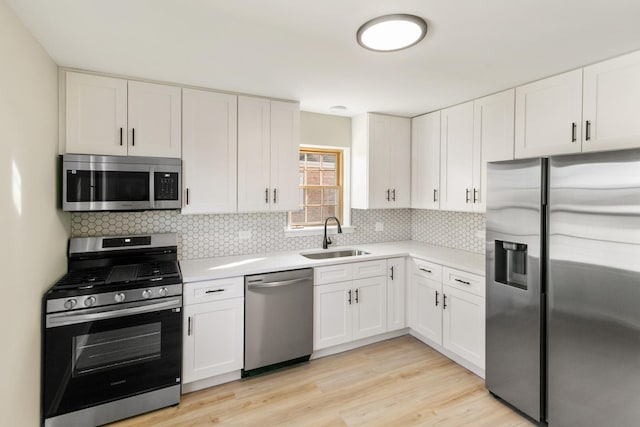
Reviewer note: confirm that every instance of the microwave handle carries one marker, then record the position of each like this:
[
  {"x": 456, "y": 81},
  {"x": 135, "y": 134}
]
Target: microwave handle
[{"x": 152, "y": 187}]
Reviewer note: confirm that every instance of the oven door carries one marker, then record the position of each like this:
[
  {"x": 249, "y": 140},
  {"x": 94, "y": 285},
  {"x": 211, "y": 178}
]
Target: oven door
[{"x": 100, "y": 355}]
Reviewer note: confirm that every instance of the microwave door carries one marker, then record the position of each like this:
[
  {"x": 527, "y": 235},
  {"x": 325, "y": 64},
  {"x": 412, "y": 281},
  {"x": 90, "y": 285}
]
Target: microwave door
[{"x": 106, "y": 186}]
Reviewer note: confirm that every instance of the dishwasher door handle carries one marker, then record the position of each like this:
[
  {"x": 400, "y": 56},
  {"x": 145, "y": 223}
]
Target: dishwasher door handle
[{"x": 277, "y": 284}]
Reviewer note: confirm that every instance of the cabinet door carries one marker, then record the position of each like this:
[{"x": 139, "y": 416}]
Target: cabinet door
[
  {"x": 399, "y": 158},
  {"x": 425, "y": 161},
  {"x": 463, "y": 329},
  {"x": 396, "y": 313},
  {"x": 548, "y": 116},
  {"x": 285, "y": 145},
  {"x": 254, "y": 154},
  {"x": 370, "y": 306},
  {"x": 213, "y": 339},
  {"x": 154, "y": 120},
  {"x": 332, "y": 316},
  {"x": 427, "y": 308},
  {"x": 209, "y": 151},
  {"x": 379, "y": 186},
  {"x": 493, "y": 133},
  {"x": 456, "y": 173},
  {"x": 96, "y": 116},
  {"x": 611, "y": 104}
]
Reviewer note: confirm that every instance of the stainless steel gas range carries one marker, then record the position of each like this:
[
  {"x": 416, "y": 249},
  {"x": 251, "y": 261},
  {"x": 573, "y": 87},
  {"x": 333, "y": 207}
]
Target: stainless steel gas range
[{"x": 112, "y": 343}]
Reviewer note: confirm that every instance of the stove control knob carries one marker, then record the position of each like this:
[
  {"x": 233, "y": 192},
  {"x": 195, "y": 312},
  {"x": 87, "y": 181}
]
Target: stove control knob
[
  {"x": 70, "y": 303},
  {"x": 163, "y": 292},
  {"x": 89, "y": 301},
  {"x": 147, "y": 293},
  {"x": 119, "y": 297}
]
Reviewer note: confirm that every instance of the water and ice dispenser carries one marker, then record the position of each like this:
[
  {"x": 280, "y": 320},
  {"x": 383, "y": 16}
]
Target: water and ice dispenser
[{"x": 511, "y": 263}]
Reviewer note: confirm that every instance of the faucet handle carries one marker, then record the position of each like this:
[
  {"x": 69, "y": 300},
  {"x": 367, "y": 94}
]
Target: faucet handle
[{"x": 329, "y": 241}]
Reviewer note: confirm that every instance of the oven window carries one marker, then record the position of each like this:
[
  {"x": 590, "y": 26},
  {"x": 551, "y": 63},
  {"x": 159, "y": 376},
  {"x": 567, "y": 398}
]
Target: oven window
[
  {"x": 107, "y": 186},
  {"x": 116, "y": 348}
]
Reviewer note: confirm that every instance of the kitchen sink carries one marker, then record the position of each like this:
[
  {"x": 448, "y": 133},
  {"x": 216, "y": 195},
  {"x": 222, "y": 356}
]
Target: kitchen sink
[{"x": 334, "y": 254}]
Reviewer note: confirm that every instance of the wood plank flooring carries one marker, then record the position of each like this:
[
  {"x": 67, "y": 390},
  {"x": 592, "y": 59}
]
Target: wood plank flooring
[{"x": 399, "y": 382}]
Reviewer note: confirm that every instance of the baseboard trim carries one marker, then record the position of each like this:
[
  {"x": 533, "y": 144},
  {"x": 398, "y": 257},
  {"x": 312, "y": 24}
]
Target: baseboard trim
[
  {"x": 210, "y": 382},
  {"x": 358, "y": 343},
  {"x": 454, "y": 357}
]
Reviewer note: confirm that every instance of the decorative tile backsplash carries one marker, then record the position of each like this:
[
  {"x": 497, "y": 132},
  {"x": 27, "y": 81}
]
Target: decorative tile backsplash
[
  {"x": 460, "y": 230},
  {"x": 203, "y": 236}
]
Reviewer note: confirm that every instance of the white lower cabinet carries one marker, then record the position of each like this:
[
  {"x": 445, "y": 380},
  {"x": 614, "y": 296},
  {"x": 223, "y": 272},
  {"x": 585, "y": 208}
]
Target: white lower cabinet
[
  {"x": 213, "y": 328},
  {"x": 352, "y": 309},
  {"x": 448, "y": 310},
  {"x": 396, "y": 294}
]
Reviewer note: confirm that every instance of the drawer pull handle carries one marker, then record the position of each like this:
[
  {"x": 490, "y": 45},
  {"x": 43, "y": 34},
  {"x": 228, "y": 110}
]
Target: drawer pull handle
[
  {"x": 213, "y": 291},
  {"x": 425, "y": 270},
  {"x": 462, "y": 281}
]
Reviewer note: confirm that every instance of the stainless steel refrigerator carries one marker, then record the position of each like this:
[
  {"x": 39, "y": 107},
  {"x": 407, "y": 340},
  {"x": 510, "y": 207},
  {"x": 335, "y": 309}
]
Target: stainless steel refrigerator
[{"x": 563, "y": 287}]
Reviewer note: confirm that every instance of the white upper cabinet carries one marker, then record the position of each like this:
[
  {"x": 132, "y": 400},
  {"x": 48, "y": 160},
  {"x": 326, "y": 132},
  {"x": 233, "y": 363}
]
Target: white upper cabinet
[
  {"x": 456, "y": 166},
  {"x": 118, "y": 117},
  {"x": 285, "y": 147},
  {"x": 209, "y": 151},
  {"x": 268, "y": 144},
  {"x": 154, "y": 120},
  {"x": 549, "y": 115},
  {"x": 611, "y": 104},
  {"x": 96, "y": 115},
  {"x": 381, "y": 176},
  {"x": 493, "y": 133},
  {"x": 425, "y": 161}
]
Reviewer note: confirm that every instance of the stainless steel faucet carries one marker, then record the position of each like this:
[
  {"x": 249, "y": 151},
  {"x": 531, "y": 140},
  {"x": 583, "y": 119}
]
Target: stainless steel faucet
[{"x": 327, "y": 240}]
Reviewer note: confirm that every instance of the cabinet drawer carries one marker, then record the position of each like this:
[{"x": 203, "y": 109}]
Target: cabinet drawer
[
  {"x": 365, "y": 269},
  {"x": 332, "y": 274},
  {"x": 427, "y": 269},
  {"x": 213, "y": 290},
  {"x": 464, "y": 281}
]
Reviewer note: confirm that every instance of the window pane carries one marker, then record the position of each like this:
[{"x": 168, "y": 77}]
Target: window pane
[
  {"x": 314, "y": 196},
  {"x": 314, "y": 214},
  {"x": 328, "y": 211},
  {"x": 330, "y": 196},
  {"x": 328, "y": 177},
  {"x": 313, "y": 160},
  {"x": 329, "y": 161},
  {"x": 313, "y": 177}
]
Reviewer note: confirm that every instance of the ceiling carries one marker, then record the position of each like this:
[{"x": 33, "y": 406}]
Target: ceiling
[{"x": 307, "y": 50}]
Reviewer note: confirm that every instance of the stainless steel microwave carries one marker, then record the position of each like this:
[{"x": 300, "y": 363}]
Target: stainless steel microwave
[{"x": 120, "y": 183}]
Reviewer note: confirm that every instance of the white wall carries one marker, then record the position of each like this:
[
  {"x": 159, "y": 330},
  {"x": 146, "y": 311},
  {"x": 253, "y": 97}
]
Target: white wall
[
  {"x": 34, "y": 232},
  {"x": 323, "y": 129}
]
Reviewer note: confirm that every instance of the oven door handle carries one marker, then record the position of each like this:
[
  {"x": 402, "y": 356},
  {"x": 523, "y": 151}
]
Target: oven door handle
[{"x": 72, "y": 318}]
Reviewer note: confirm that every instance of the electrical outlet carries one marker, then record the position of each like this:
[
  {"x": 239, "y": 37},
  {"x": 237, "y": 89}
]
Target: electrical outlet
[
  {"x": 379, "y": 226},
  {"x": 243, "y": 235}
]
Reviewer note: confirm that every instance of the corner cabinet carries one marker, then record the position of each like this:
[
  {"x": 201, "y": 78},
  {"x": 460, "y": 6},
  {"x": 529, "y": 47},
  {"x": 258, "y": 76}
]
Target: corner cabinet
[
  {"x": 448, "y": 312},
  {"x": 112, "y": 116},
  {"x": 268, "y": 146},
  {"x": 425, "y": 161},
  {"x": 473, "y": 134},
  {"x": 381, "y": 150},
  {"x": 213, "y": 336},
  {"x": 209, "y": 152}
]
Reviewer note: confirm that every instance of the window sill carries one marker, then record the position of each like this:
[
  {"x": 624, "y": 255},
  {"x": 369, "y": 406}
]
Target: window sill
[{"x": 316, "y": 231}]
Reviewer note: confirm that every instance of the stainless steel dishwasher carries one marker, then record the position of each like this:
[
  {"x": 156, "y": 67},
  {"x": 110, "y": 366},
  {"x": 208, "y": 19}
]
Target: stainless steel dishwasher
[{"x": 278, "y": 323}]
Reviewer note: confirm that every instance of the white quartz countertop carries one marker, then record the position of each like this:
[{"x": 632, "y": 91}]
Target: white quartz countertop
[{"x": 196, "y": 270}]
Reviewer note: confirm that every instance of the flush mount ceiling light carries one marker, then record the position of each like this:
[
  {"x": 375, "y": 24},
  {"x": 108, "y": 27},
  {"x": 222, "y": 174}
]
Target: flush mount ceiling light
[{"x": 392, "y": 32}]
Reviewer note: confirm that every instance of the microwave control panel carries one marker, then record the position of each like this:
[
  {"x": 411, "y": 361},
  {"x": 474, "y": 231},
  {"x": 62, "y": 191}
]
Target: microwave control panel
[{"x": 166, "y": 186}]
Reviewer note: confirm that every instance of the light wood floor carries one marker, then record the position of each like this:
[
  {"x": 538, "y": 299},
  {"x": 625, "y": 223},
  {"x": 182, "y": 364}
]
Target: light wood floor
[{"x": 400, "y": 382}]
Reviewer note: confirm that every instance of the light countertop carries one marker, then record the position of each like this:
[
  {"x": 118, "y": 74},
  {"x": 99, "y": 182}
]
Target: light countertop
[{"x": 195, "y": 270}]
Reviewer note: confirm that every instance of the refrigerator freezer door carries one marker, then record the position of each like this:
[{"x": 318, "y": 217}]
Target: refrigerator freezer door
[
  {"x": 594, "y": 290},
  {"x": 513, "y": 328}
]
